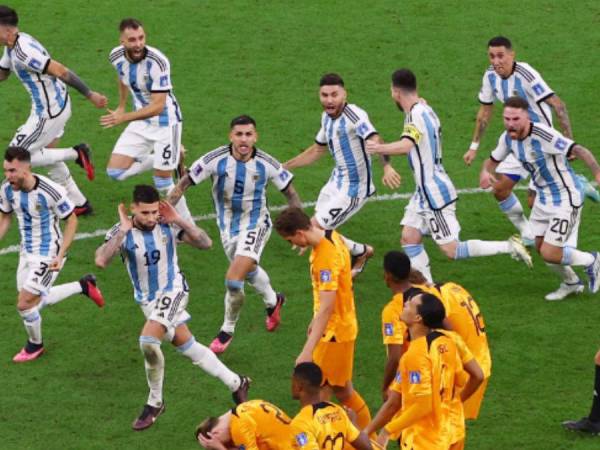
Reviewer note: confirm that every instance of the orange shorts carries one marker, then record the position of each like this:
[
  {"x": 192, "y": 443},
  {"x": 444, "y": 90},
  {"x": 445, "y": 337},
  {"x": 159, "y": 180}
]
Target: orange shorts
[
  {"x": 336, "y": 360},
  {"x": 472, "y": 406}
]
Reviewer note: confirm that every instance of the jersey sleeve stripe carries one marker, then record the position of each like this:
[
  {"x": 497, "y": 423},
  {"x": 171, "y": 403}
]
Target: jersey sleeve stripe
[
  {"x": 351, "y": 114},
  {"x": 116, "y": 55},
  {"x": 525, "y": 73},
  {"x": 160, "y": 61},
  {"x": 49, "y": 190},
  {"x": 262, "y": 155},
  {"x": 541, "y": 133},
  {"x": 19, "y": 52},
  {"x": 33, "y": 136},
  {"x": 215, "y": 154}
]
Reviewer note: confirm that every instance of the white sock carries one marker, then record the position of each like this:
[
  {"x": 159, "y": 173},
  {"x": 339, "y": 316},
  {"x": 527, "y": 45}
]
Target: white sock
[
  {"x": 573, "y": 257},
  {"x": 419, "y": 260},
  {"x": 513, "y": 209},
  {"x": 208, "y": 361},
  {"x": 154, "y": 362},
  {"x": 234, "y": 299},
  {"x": 355, "y": 248},
  {"x": 566, "y": 273},
  {"x": 49, "y": 156},
  {"x": 259, "y": 280},
  {"x": 33, "y": 324},
  {"x": 141, "y": 165},
  {"x": 59, "y": 172},
  {"x": 475, "y": 247},
  {"x": 60, "y": 292}
]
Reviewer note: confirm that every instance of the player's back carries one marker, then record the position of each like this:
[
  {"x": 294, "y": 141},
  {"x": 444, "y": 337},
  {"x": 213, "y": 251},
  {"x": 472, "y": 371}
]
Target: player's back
[{"x": 262, "y": 423}]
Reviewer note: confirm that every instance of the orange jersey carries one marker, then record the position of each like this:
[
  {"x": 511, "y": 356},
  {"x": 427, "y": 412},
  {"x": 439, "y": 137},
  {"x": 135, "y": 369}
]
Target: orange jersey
[
  {"x": 330, "y": 270},
  {"x": 260, "y": 425},
  {"x": 323, "y": 425},
  {"x": 393, "y": 330}
]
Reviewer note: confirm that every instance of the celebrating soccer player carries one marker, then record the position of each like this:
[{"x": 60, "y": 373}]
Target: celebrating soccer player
[
  {"x": 45, "y": 78},
  {"x": 345, "y": 128},
  {"x": 147, "y": 244},
  {"x": 39, "y": 204}
]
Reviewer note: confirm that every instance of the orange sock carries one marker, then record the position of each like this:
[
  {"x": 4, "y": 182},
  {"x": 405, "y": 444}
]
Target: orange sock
[{"x": 358, "y": 405}]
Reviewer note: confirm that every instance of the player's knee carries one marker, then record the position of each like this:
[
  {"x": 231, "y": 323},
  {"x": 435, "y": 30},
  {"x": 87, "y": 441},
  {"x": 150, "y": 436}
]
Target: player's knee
[
  {"x": 115, "y": 174},
  {"x": 554, "y": 255},
  {"x": 150, "y": 347},
  {"x": 234, "y": 286}
]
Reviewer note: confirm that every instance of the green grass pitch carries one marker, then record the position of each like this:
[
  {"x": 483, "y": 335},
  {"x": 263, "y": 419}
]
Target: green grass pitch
[{"x": 264, "y": 58}]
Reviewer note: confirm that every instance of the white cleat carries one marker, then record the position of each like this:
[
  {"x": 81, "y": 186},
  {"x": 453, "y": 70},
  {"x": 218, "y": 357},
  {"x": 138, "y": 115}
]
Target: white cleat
[
  {"x": 564, "y": 290},
  {"x": 519, "y": 252},
  {"x": 593, "y": 273}
]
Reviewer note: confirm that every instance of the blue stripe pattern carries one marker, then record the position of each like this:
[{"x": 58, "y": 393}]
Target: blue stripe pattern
[
  {"x": 59, "y": 98},
  {"x": 519, "y": 88},
  {"x": 27, "y": 222},
  {"x": 35, "y": 92},
  {"x": 132, "y": 264},
  {"x": 353, "y": 177},
  {"x": 434, "y": 144},
  {"x": 238, "y": 197},
  {"x": 545, "y": 172},
  {"x": 170, "y": 256},
  {"x": 150, "y": 246},
  {"x": 222, "y": 175},
  {"x": 259, "y": 188},
  {"x": 46, "y": 237},
  {"x": 505, "y": 93},
  {"x": 133, "y": 84}
]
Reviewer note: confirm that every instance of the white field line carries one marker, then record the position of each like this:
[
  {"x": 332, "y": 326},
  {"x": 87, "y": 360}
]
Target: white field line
[{"x": 212, "y": 216}]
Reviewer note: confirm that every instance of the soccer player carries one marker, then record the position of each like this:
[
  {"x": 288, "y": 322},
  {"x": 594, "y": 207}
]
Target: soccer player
[
  {"x": 240, "y": 173},
  {"x": 332, "y": 332},
  {"x": 320, "y": 424},
  {"x": 504, "y": 78},
  {"x": 39, "y": 204},
  {"x": 556, "y": 212},
  {"x": 252, "y": 425},
  {"x": 152, "y": 138},
  {"x": 432, "y": 208},
  {"x": 45, "y": 78},
  {"x": 345, "y": 128},
  {"x": 591, "y": 423},
  {"x": 147, "y": 244}
]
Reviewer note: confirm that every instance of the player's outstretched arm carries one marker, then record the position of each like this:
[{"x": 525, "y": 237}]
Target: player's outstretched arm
[
  {"x": 415, "y": 412},
  {"x": 107, "y": 251},
  {"x": 292, "y": 197},
  {"x": 177, "y": 192},
  {"x": 192, "y": 235},
  {"x": 317, "y": 326},
  {"x": 57, "y": 70},
  {"x": 481, "y": 122},
  {"x": 487, "y": 177},
  {"x": 560, "y": 109},
  {"x": 582, "y": 153},
  {"x": 68, "y": 236},
  {"x": 5, "y": 220},
  {"x": 118, "y": 116},
  {"x": 4, "y": 74},
  {"x": 308, "y": 156},
  {"x": 390, "y": 178},
  {"x": 401, "y": 147}
]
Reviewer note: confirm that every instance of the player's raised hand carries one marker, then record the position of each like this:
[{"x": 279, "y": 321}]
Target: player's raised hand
[
  {"x": 391, "y": 178},
  {"x": 469, "y": 157},
  {"x": 99, "y": 100},
  {"x": 166, "y": 212},
  {"x": 125, "y": 221},
  {"x": 111, "y": 119}
]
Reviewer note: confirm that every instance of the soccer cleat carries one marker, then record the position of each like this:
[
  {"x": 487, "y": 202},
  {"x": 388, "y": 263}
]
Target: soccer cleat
[
  {"x": 24, "y": 356},
  {"x": 588, "y": 188},
  {"x": 90, "y": 289},
  {"x": 584, "y": 425},
  {"x": 221, "y": 342},
  {"x": 241, "y": 395},
  {"x": 564, "y": 290},
  {"x": 519, "y": 252},
  {"x": 148, "y": 417},
  {"x": 527, "y": 242},
  {"x": 84, "y": 159},
  {"x": 360, "y": 261},
  {"x": 593, "y": 272},
  {"x": 273, "y": 318},
  {"x": 84, "y": 210}
]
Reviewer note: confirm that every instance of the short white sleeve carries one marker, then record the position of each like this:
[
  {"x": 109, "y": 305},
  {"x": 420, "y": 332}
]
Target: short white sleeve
[
  {"x": 502, "y": 149},
  {"x": 204, "y": 167},
  {"x": 5, "y": 60},
  {"x": 160, "y": 75},
  {"x": 31, "y": 55},
  {"x": 63, "y": 207},
  {"x": 538, "y": 88},
  {"x": 486, "y": 93},
  {"x": 5, "y": 205},
  {"x": 321, "y": 137},
  {"x": 364, "y": 127}
]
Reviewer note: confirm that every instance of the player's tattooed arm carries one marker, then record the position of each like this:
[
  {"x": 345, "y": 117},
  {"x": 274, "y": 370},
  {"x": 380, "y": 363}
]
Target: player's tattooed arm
[
  {"x": 56, "y": 69},
  {"x": 107, "y": 251},
  {"x": 582, "y": 153},
  {"x": 481, "y": 123},
  {"x": 5, "y": 220},
  {"x": 292, "y": 196},
  {"x": 179, "y": 189},
  {"x": 191, "y": 234},
  {"x": 4, "y": 74},
  {"x": 561, "y": 112},
  {"x": 308, "y": 156}
]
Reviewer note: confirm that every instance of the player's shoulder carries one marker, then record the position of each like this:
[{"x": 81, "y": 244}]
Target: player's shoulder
[
  {"x": 525, "y": 71},
  {"x": 264, "y": 156},
  {"x": 217, "y": 153},
  {"x": 24, "y": 45},
  {"x": 117, "y": 54},
  {"x": 155, "y": 55},
  {"x": 354, "y": 113},
  {"x": 544, "y": 132},
  {"x": 50, "y": 188}
]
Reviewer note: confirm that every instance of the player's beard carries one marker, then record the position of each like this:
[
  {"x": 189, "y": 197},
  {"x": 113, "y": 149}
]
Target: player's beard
[
  {"x": 143, "y": 227},
  {"x": 131, "y": 56}
]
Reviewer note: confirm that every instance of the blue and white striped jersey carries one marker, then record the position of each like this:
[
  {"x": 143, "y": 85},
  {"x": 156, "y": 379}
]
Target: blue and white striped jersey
[
  {"x": 345, "y": 136},
  {"x": 151, "y": 74},
  {"x": 38, "y": 212},
  {"x": 28, "y": 59},
  {"x": 434, "y": 186},
  {"x": 543, "y": 153},
  {"x": 525, "y": 82},
  {"x": 151, "y": 260},
  {"x": 240, "y": 188}
]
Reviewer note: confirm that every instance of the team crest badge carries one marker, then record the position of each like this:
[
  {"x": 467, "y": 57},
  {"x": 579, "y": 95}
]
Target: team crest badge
[
  {"x": 388, "y": 329},
  {"x": 302, "y": 439},
  {"x": 414, "y": 377},
  {"x": 325, "y": 276}
]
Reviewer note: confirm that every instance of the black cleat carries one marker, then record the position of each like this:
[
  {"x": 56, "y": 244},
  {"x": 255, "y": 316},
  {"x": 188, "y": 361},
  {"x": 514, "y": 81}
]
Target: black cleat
[
  {"x": 84, "y": 159},
  {"x": 584, "y": 425},
  {"x": 241, "y": 395},
  {"x": 84, "y": 210},
  {"x": 148, "y": 417}
]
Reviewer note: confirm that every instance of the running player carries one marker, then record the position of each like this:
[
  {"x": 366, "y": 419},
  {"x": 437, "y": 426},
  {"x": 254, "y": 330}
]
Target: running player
[
  {"x": 345, "y": 128},
  {"x": 240, "y": 173},
  {"x": 147, "y": 244},
  {"x": 45, "y": 78},
  {"x": 432, "y": 208},
  {"x": 252, "y": 425},
  {"x": 332, "y": 332},
  {"x": 39, "y": 204},
  {"x": 556, "y": 213},
  {"x": 152, "y": 138}
]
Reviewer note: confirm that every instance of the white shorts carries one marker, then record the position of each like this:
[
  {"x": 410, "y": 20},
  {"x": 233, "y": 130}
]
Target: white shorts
[
  {"x": 141, "y": 139},
  {"x": 39, "y": 132},
  {"x": 33, "y": 274},
  {"x": 558, "y": 225},
  {"x": 440, "y": 224},
  {"x": 168, "y": 309},
  {"x": 250, "y": 243},
  {"x": 334, "y": 207},
  {"x": 512, "y": 166}
]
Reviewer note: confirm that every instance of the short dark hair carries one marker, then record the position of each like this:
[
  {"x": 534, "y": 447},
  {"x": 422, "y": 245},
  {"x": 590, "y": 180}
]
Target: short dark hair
[
  {"x": 331, "y": 79},
  {"x": 432, "y": 311},
  {"x": 416, "y": 277},
  {"x": 404, "y": 79},
  {"x": 18, "y": 153},
  {"x": 144, "y": 193},
  {"x": 8, "y": 16},
  {"x": 397, "y": 264},
  {"x": 130, "y": 22},
  {"x": 244, "y": 119},
  {"x": 500, "y": 41},
  {"x": 516, "y": 102},
  {"x": 206, "y": 426},
  {"x": 309, "y": 373},
  {"x": 291, "y": 220}
]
